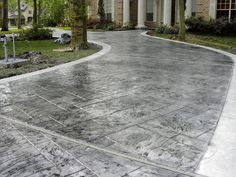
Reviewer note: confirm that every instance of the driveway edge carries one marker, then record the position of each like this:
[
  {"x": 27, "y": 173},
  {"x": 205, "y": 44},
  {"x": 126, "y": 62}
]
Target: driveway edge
[
  {"x": 105, "y": 49},
  {"x": 219, "y": 159}
]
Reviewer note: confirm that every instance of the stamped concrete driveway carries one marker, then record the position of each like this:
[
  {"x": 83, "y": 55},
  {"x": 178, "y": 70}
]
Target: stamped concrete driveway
[{"x": 148, "y": 108}]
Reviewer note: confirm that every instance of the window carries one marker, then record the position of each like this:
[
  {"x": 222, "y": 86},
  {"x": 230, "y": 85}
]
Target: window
[
  {"x": 194, "y": 3},
  {"x": 150, "y": 5},
  {"x": 108, "y": 9},
  {"x": 226, "y": 8}
]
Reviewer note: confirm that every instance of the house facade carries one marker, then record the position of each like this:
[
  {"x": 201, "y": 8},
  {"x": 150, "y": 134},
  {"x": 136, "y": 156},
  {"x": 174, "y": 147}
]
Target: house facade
[
  {"x": 26, "y": 15},
  {"x": 152, "y": 13}
]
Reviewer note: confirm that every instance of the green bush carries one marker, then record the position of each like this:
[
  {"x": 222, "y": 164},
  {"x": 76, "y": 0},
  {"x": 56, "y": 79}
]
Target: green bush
[
  {"x": 130, "y": 26},
  {"x": 167, "y": 30},
  {"x": 35, "y": 34},
  {"x": 104, "y": 25},
  {"x": 214, "y": 27},
  {"x": 48, "y": 21}
]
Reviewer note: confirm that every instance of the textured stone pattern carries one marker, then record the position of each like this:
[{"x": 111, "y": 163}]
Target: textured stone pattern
[
  {"x": 202, "y": 8},
  {"x": 146, "y": 101}
]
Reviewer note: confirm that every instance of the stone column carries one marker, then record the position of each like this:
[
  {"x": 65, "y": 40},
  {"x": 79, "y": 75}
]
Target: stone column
[
  {"x": 167, "y": 12},
  {"x": 126, "y": 12},
  {"x": 188, "y": 11},
  {"x": 141, "y": 13}
]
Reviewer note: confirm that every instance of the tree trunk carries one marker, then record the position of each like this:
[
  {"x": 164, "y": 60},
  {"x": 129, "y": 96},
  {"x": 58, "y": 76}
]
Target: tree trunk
[
  {"x": 39, "y": 11},
  {"x": 19, "y": 14},
  {"x": 35, "y": 16},
  {"x": 182, "y": 29},
  {"x": 5, "y": 16},
  {"x": 85, "y": 18},
  {"x": 78, "y": 24}
]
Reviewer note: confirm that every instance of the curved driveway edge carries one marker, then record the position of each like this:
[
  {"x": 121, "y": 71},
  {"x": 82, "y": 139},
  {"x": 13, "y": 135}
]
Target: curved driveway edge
[
  {"x": 105, "y": 49},
  {"x": 219, "y": 159}
]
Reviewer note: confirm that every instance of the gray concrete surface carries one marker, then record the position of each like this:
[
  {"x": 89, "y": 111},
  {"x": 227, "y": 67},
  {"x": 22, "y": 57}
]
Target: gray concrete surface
[
  {"x": 147, "y": 108},
  {"x": 219, "y": 159}
]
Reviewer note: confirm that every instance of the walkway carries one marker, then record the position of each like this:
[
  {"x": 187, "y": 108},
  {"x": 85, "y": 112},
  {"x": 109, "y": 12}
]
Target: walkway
[{"x": 147, "y": 108}]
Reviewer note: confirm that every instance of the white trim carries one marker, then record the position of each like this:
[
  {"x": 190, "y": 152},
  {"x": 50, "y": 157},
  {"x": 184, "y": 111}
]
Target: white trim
[
  {"x": 105, "y": 49},
  {"x": 113, "y": 10},
  {"x": 219, "y": 159},
  {"x": 212, "y": 9}
]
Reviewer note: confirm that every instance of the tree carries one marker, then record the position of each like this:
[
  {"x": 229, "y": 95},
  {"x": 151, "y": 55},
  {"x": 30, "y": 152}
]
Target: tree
[
  {"x": 5, "y": 16},
  {"x": 182, "y": 29},
  {"x": 1, "y": 12},
  {"x": 19, "y": 14},
  {"x": 78, "y": 18},
  {"x": 35, "y": 14},
  {"x": 101, "y": 11},
  {"x": 39, "y": 11},
  {"x": 54, "y": 12}
]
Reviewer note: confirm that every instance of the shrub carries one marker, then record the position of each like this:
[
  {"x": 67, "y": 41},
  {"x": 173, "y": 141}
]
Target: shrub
[
  {"x": 35, "y": 34},
  {"x": 167, "y": 30},
  {"x": 130, "y": 26},
  {"x": 216, "y": 27},
  {"x": 104, "y": 25},
  {"x": 47, "y": 21}
]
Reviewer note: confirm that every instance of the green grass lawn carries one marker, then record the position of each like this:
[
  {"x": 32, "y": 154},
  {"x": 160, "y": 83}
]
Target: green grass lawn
[
  {"x": 64, "y": 27},
  {"x": 227, "y": 43},
  {"x": 46, "y": 48},
  {"x": 11, "y": 30}
]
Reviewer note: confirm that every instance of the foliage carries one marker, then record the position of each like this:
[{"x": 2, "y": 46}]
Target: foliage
[
  {"x": 104, "y": 25},
  {"x": 35, "y": 34},
  {"x": 167, "y": 30},
  {"x": 227, "y": 43},
  {"x": 54, "y": 12},
  {"x": 216, "y": 27},
  {"x": 130, "y": 26},
  {"x": 101, "y": 11},
  {"x": 182, "y": 28}
]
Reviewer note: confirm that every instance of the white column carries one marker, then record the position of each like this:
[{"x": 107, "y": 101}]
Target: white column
[
  {"x": 126, "y": 12},
  {"x": 155, "y": 10},
  {"x": 113, "y": 9},
  {"x": 212, "y": 9},
  {"x": 188, "y": 11},
  {"x": 141, "y": 17},
  {"x": 167, "y": 12}
]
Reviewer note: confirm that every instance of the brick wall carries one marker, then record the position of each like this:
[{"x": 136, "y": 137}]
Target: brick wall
[
  {"x": 119, "y": 11},
  {"x": 202, "y": 8}
]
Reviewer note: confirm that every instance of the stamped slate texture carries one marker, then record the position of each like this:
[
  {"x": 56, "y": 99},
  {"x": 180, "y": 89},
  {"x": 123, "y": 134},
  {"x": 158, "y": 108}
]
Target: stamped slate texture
[{"x": 149, "y": 100}]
